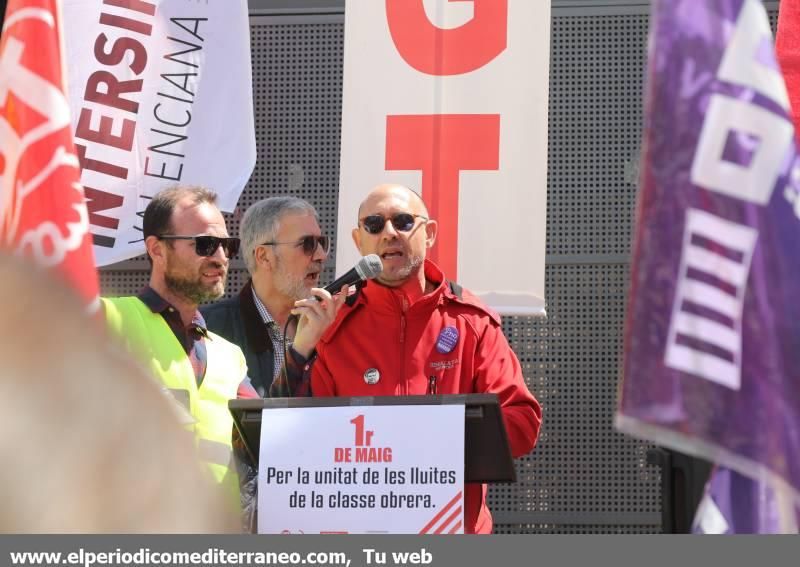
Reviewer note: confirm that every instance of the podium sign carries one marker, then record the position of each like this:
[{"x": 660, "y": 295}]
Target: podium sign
[{"x": 362, "y": 469}]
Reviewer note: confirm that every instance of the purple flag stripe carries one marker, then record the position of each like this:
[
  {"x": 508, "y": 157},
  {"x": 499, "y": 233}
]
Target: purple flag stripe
[
  {"x": 702, "y": 346},
  {"x": 716, "y": 247},
  {"x": 710, "y": 311},
  {"x": 714, "y": 280}
]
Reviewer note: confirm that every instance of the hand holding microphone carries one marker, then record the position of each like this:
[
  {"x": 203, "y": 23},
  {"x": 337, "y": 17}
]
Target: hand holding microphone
[{"x": 319, "y": 311}]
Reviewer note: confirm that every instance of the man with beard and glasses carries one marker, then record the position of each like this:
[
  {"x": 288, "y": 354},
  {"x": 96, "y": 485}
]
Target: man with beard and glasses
[
  {"x": 189, "y": 251},
  {"x": 412, "y": 332},
  {"x": 284, "y": 251}
]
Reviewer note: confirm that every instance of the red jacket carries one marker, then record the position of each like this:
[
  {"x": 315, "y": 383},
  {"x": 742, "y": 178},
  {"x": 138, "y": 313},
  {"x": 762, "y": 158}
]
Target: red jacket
[{"x": 385, "y": 330}]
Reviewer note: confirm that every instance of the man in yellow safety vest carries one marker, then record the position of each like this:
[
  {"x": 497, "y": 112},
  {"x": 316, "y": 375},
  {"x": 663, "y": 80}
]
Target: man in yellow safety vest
[{"x": 189, "y": 250}]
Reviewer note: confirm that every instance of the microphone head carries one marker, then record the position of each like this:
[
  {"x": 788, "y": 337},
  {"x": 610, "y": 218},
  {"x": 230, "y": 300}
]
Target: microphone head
[{"x": 369, "y": 266}]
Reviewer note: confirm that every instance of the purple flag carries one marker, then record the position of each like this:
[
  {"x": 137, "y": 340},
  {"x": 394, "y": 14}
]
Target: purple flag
[
  {"x": 736, "y": 504},
  {"x": 712, "y": 336}
]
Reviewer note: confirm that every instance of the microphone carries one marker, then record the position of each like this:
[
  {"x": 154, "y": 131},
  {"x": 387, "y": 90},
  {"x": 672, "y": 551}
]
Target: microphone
[{"x": 368, "y": 267}]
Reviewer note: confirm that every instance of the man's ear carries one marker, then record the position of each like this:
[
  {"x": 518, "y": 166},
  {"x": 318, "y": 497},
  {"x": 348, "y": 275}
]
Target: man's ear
[
  {"x": 155, "y": 248},
  {"x": 431, "y": 230},
  {"x": 262, "y": 256},
  {"x": 357, "y": 238}
]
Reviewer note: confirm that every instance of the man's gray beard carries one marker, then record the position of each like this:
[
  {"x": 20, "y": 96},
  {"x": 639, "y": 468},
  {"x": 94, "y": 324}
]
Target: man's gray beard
[
  {"x": 413, "y": 265},
  {"x": 194, "y": 290},
  {"x": 291, "y": 287}
]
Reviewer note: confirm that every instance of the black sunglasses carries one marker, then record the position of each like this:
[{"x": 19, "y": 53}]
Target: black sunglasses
[
  {"x": 207, "y": 245},
  {"x": 403, "y": 222},
  {"x": 309, "y": 244}
]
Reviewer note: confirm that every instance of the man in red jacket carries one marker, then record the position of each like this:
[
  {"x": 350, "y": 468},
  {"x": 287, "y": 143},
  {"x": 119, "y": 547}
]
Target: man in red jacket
[{"x": 410, "y": 332}]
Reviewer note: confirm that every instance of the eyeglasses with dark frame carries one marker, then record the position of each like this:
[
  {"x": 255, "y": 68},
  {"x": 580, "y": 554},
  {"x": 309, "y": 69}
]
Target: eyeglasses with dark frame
[
  {"x": 205, "y": 245},
  {"x": 402, "y": 222},
  {"x": 308, "y": 242}
]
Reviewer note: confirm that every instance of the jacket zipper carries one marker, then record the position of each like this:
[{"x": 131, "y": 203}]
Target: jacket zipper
[
  {"x": 403, "y": 309},
  {"x": 403, "y": 328}
]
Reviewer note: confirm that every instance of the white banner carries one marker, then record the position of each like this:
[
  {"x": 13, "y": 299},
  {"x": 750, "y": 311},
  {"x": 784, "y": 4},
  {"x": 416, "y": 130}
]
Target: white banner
[
  {"x": 450, "y": 99},
  {"x": 369, "y": 469},
  {"x": 160, "y": 93}
]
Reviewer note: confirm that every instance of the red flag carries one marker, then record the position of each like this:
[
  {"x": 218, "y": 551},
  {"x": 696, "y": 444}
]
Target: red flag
[
  {"x": 787, "y": 48},
  {"x": 43, "y": 213}
]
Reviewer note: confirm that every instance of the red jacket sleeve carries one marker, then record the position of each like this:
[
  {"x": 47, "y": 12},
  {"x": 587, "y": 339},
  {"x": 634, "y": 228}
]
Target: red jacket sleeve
[{"x": 498, "y": 371}]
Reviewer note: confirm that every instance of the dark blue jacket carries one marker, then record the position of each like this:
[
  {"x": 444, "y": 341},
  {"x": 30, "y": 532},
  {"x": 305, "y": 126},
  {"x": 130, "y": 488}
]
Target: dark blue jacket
[{"x": 237, "y": 319}]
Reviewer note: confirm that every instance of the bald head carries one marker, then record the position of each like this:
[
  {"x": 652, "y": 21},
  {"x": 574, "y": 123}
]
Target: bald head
[{"x": 414, "y": 202}]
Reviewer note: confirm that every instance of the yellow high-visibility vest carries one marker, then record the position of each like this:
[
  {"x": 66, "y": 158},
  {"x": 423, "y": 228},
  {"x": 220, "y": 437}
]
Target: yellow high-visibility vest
[{"x": 149, "y": 338}]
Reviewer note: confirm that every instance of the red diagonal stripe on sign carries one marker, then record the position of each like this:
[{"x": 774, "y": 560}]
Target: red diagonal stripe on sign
[
  {"x": 442, "y": 512},
  {"x": 455, "y": 528},
  {"x": 448, "y": 521}
]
